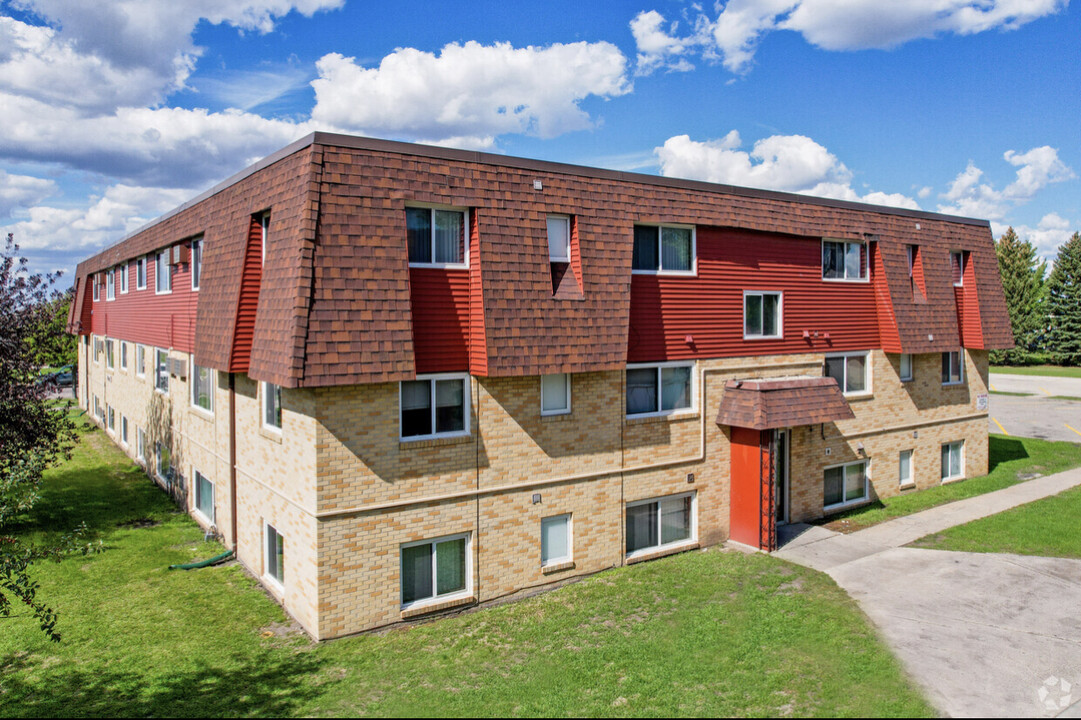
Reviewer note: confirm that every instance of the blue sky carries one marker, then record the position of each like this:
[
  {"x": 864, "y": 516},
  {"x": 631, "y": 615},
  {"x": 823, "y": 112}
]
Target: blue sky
[{"x": 117, "y": 112}]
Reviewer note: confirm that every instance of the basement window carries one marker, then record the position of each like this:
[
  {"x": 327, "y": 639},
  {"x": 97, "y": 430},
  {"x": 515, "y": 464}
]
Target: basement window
[
  {"x": 844, "y": 485},
  {"x": 660, "y": 523},
  {"x": 436, "y": 570}
]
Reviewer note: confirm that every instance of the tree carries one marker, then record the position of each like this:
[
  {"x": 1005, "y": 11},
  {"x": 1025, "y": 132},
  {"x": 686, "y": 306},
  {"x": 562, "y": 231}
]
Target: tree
[
  {"x": 1023, "y": 284},
  {"x": 55, "y": 346},
  {"x": 1064, "y": 301},
  {"x": 33, "y": 432}
]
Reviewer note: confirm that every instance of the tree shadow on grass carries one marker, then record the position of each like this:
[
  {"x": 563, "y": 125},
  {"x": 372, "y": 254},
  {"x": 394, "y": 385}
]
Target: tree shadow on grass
[
  {"x": 280, "y": 684},
  {"x": 1003, "y": 449}
]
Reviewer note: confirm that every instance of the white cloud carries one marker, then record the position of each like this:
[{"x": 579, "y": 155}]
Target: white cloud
[
  {"x": 1050, "y": 232},
  {"x": 790, "y": 163},
  {"x": 18, "y": 191},
  {"x": 840, "y": 24},
  {"x": 469, "y": 94},
  {"x": 659, "y": 48},
  {"x": 1036, "y": 169}
]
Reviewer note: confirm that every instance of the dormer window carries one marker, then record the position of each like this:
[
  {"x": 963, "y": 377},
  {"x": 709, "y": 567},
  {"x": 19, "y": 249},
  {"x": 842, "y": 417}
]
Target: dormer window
[
  {"x": 559, "y": 239},
  {"x": 436, "y": 237},
  {"x": 663, "y": 250},
  {"x": 843, "y": 261},
  {"x": 957, "y": 267}
]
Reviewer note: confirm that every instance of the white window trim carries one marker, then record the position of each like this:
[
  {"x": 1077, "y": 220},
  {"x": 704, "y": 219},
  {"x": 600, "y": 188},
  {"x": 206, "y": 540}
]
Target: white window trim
[
  {"x": 146, "y": 272},
  {"x": 961, "y": 366},
  {"x": 961, "y": 264},
  {"x": 124, "y": 355},
  {"x": 110, "y": 357},
  {"x": 264, "y": 227},
  {"x": 140, "y": 353},
  {"x": 569, "y": 557},
  {"x": 660, "y": 547},
  {"x": 157, "y": 272},
  {"x": 467, "y": 399},
  {"x": 140, "y": 444},
  {"x": 464, "y": 265},
  {"x": 156, "y": 370},
  {"x": 198, "y": 240},
  {"x": 157, "y": 463},
  {"x": 689, "y": 410},
  {"x": 563, "y": 411},
  {"x": 263, "y": 397},
  {"x": 868, "y": 367},
  {"x": 866, "y": 484},
  {"x": 110, "y": 285},
  {"x": 123, "y": 429},
  {"x": 274, "y": 582},
  {"x": 110, "y": 419},
  {"x": 952, "y": 478},
  {"x": 195, "y": 475},
  {"x": 780, "y": 314},
  {"x": 864, "y": 268},
  {"x": 911, "y": 367},
  {"x": 211, "y": 378},
  {"x": 96, "y": 284},
  {"x": 567, "y": 220},
  {"x": 124, "y": 279},
  {"x": 911, "y": 481},
  {"x": 438, "y": 599},
  {"x": 693, "y": 272}
]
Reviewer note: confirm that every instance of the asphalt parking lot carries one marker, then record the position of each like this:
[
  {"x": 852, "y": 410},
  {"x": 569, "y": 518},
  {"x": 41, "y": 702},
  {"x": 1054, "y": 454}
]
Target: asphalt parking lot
[{"x": 1043, "y": 412}]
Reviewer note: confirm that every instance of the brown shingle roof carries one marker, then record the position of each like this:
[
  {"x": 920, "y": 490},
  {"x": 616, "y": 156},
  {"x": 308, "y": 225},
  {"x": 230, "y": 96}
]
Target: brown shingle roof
[{"x": 783, "y": 402}]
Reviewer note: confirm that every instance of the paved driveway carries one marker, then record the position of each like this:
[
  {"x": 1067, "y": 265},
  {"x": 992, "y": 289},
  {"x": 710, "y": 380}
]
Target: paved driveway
[{"x": 1038, "y": 415}]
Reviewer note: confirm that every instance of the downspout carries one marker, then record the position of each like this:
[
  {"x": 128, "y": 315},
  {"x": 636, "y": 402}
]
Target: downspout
[{"x": 232, "y": 458}]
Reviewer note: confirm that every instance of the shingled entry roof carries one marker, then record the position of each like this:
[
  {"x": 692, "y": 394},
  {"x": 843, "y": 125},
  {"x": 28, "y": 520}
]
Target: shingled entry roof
[{"x": 783, "y": 402}]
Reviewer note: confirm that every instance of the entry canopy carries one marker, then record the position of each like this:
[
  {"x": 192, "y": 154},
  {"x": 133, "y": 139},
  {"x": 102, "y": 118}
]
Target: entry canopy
[{"x": 782, "y": 402}]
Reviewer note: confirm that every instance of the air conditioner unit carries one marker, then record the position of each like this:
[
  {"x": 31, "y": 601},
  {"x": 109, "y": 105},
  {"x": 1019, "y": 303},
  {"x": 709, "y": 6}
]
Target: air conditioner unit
[
  {"x": 179, "y": 255},
  {"x": 178, "y": 367}
]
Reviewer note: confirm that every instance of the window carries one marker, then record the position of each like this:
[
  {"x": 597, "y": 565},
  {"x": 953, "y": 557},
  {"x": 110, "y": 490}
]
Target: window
[
  {"x": 264, "y": 224},
  {"x": 842, "y": 260},
  {"x": 98, "y": 411},
  {"x": 124, "y": 279},
  {"x": 434, "y": 406},
  {"x": 110, "y": 285},
  {"x": 845, "y": 485},
  {"x": 109, "y": 359},
  {"x": 140, "y": 447},
  {"x": 659, "y": 389},
  {"x": 957, "y": 267},
  {"x": 202, "y": 386},
  {"x": 555, "y": 540},
  {"x": 163, "y": 279},
  {"x": 140, "y": 361},
  {"x": 111, "y": 411},
  {"x": 123, "y": 430},
  {"x": 275, "y": 556},
  {"x": 140, "y": 273},
  {"x": 761, "y": 315},
  {"x": 662, "y": 249},
  {"x": 952, "y": 368},
  {"x": 912, "y": 250},
  {"x": 272, "y": 406},
  {"x": 555, "y": 394},
  {"x": 851, "y": 371},
  {"x": 660, "y": 523},
  {"x": 96, "y": 283},
  {"x": 435, "y": 236},
  {"x": 196, "y": 262},
  {"x": 559, "y": 238},
  {"x": 123, "y": 355},
  {"x": 953, "y": 460},
  {"x": 204, "y": 496},
  {"x": 904, "y": 469},
  {"x": 161, "y": 371},
  {"x": 906, "y": 367},
  {"x": 165, "y": 463},
  {"x": 436, "y": 570},
  {"x": 99, "y": 346}
]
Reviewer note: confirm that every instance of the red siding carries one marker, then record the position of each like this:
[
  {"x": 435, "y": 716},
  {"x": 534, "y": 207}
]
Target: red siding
[
  {"x": 917, "y": 275},
  {"x": 440, "y": 302},
  {"x": 478, "y": 346},
  {"x": 143, "y": 316},
  {"x": 887, "y": 321},
  {"x": 746, "y": 487},
  {"x": 666, "y": 309},
  {"x": 968, "y": 310},
  {"x": 250, "y": 280}
]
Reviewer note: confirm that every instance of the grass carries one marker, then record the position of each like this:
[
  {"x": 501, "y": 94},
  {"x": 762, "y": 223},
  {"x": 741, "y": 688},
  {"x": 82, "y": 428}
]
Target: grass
[
  {"x": 1014, "y": 394},
  {"x": 1010, "y": 459},
  {"x": 1045, "y": 370},
  {"x": 1044, "y": 527},
  {"x": 713, "y": 632},
  {"x": 1065, "y": 397}
]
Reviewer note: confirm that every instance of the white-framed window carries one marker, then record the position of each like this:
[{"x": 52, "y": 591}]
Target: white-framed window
[
  {"x": 264, "y": 226},
  {"x": 204, "y": 495},
  {"x": 196, "y": 261},
  {"x": 124, "y": 429},
  {"x": 124, "y": 279},
  {"x": 140, "y": 445},
  {"x": 110, "y": 359},
  {"x": 957, "y": 267},
  {"x": 161, "y": 370},
  {"x": 434, "y": 406},
  {"x": 99, "y": 348},
  {"x": 559, "y": 238},
  {"x": 272, "y": 406},
  {"x": 437, "y": 236},
  {"x": 123, "y": 355},
  {"x": 96, "y": 284},
  {"x": 844, "y": 260},
  {"x": 110, "y": 284},
  {"x": 140, "y": 361},
  {"x": 140, "y": 273},
  {"x": 556, "y": 394},
  {"x": 844, "y": 485},
  {"x": 906, "y": 367},
  {"x": 953, "y": 460},
  {"x": 202, "y": 387},
  {"x": 660, "y": 388},
  {"x": 904, "y": 468},
  {"x": 436, "y": 570},
  {"x": 953, "y": 368},
  {"x": 111, "y": 413},
  {"x": 164, "y": 467},
  {"x": 762, "y": 315},
  {"x": 274, "y": 556},
  {"x": 852, "y": 371},
  {"x": 556, "y": 539},
  {"x": 664, "y": 250},
  {"x": 98, "y": 411},
  {"x": 661, "y": 523},
  {"x": 163, "y": 282}
]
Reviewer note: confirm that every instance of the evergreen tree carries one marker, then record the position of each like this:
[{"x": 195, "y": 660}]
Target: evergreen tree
[
  {"x": 1064, "y": 301},
  {"x": 1023, "y": 284}
]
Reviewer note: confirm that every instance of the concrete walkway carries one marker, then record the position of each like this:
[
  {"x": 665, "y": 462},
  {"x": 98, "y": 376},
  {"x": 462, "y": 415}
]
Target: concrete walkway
[{"x": 986, "y": 635}]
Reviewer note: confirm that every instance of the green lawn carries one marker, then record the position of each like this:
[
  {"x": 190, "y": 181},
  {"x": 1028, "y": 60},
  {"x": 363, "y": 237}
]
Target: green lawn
[
  {"x": 1044, "y": 527},
  {"x": 1045, "y": 370},
  {"x": 703, "y": 633},
  {"x": 1013, "y": 394},
  {"x": 1011, "y": 460}
]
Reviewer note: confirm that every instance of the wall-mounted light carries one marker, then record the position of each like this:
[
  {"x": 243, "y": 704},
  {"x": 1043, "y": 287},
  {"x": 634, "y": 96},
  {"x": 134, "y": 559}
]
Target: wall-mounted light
[
  {"x": 690, "y": 477},
  {"x": 538, "y": 185},
  {"x": 536, "y": 498}
]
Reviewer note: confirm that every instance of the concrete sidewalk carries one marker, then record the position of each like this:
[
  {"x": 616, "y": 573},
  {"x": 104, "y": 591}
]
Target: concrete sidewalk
[{"x": 985, "y": 635}]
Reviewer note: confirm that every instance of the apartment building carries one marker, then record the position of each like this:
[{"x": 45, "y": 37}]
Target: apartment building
[{"x": 400, "y": 379}]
